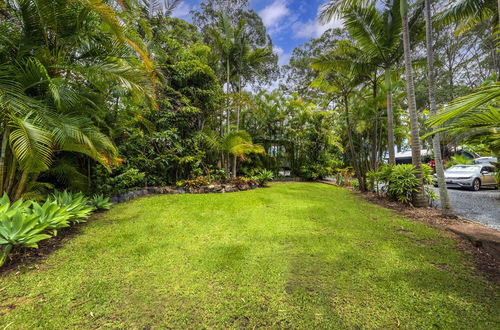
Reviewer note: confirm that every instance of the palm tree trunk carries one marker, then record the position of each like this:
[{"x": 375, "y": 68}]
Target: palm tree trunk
[
  {"x": 22, "y": 184},
  {"x": 11, "y": 175},
  {"x": 355, "y": 163},
  {"x": 436, "y": 143},
  {"x": 3, "y": 158},
  {"x": 375, "y": 128},
  {"x": 228, "y": 112},
  {"x": 419, "y": 199},
  {"x": 390, "y": 118}
]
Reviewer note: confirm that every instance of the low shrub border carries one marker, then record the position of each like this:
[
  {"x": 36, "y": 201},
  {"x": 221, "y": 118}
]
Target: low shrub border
[{"x": 208, "y": 189}]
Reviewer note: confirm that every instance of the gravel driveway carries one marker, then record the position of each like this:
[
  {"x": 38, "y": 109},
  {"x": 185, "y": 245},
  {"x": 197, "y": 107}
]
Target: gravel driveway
[{"x": 482, "y": 206}]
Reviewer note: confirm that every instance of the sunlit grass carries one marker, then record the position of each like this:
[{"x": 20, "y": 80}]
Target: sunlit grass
[{"x": 294, "y": 255}]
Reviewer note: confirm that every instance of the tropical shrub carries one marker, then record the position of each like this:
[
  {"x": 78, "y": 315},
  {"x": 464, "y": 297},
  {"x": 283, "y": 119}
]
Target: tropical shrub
[
  {"x": 263, "y": 177},
  {"x": 99, "y": 202},
  {"x": 110, "y": 185},
  {"x": 400, "y": 181},
  {"x": 19, "y": 229},
  {"x": 51, "y": 215},
  {"x": 194, "y": 183},
  {"x": 76, "y": 204}
]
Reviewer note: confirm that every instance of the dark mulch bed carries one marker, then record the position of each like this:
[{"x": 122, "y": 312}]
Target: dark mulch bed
[
  {"x": 26, "y": 258},
  {"x": 484, "y": 262}
]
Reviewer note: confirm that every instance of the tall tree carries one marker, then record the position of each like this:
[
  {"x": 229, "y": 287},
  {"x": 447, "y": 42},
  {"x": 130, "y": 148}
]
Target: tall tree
[
  {"x": 436, "y": 141},
  {"x": 378, "y": 35},
  {"x": 419, "y": 198}
]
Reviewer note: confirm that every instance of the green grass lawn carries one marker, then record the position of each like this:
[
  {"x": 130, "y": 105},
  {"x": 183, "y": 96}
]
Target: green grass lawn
[{"x": 294, "y": 255}]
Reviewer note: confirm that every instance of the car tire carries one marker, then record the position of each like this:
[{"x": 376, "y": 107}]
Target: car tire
[{"x": 476, "y": 185}]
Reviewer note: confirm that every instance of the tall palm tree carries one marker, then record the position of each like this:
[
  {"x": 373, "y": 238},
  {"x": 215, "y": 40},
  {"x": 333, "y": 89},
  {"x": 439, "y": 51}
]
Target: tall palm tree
[
  {"x": 419, "y": 198},
  {"x": 378, "y": 35},
  {"x": 446, "y": 206},
  {"x": 339, "y": 79},
  {"x": 239, "y": 62}
]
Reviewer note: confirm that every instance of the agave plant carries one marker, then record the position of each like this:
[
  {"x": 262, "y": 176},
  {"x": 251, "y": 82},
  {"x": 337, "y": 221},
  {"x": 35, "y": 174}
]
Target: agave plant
[
  {"x": 8, "y": 208},
  {"x": 76, "y": 204},
  {"x": 19, "y": 229},
  {"x": 51, "y": 215},
  {"x": 99, "y": 202}
]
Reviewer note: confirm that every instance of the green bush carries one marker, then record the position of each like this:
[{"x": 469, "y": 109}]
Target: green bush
[
  {"x": 99, "y": 202},
  {"x": 263, "y": 177},
  {"x": 25, "y": 223},
  {"x": 76, "y": 204},
  {"x": 194, "y": 183},
  {"x": 400, "y": 181},
  {"x": 123, "y": 182}
]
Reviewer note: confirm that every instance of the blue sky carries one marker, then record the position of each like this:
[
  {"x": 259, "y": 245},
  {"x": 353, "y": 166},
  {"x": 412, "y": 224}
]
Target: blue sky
[{"x": 289, "y": 22}]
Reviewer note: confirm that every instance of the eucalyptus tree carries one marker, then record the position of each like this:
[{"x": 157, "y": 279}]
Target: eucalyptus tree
[
  {"x": 444, "y": 199},
  {"x": 470, "y": 13}
]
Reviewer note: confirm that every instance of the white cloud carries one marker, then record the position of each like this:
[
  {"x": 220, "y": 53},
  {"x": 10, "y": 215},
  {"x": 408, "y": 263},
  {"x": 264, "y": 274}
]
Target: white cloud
[
  {"x": 182, "y": 10},
  {"x": 273, "y": 15},
  {"x": 312, "y": 28},
  {"x": 283, "y": 58}
]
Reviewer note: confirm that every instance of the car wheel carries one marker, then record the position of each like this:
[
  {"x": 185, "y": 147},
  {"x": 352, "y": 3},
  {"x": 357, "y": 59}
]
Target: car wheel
[{"x": 476, "y": 184}]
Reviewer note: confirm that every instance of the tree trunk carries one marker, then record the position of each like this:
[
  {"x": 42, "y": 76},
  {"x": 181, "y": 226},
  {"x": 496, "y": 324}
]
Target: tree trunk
[
  {"x": 375, "y": 128},
  {"x": 390, "y": 118},
  {"x": 351, "y": 147},
  {"x": 3, "y": 157},
  {"x": 419, "y": 198},
  {"x": 22, "y": 184},
  {"x": 11, "y": 175},
  {"x": 228, "y": 112},
  {"x": 436, "y": 143}
]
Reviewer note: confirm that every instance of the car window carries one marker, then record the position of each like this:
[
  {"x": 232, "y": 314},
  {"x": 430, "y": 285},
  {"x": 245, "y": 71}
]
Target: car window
[{"x": 486, "y": 169}]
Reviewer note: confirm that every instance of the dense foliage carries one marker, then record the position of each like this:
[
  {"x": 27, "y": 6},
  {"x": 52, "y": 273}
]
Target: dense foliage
[{"x": 102, "y": 97}]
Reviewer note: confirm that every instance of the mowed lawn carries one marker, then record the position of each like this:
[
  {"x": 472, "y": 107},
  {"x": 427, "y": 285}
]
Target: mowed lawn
[{"x": 295, "y": 255}]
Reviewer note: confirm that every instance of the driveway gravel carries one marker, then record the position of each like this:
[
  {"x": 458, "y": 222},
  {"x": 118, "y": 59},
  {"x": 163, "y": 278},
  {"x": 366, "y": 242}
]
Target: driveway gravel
[{"x": 482, "y": 206}]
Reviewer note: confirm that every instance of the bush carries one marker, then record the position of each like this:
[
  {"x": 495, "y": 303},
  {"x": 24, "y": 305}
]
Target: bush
[
  {"x": 25, "y": 223},
  {"x": 401, "y": 181},
  {"x": 263, "y": 177},
  {"x": 76, "y": 204},
  {"x": 194, "y": 183},
  {"x": 115, "y": 185},
  {"x": 99, "y": 202}
]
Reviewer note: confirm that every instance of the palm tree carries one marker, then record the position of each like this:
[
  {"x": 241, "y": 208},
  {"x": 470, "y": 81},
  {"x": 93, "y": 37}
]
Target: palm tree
[
  {"x": 436, "y": 142},
  {"x": 419, "y": 198},
  {"x": 339, "y": 79},
  {"x": 239, "y": 61},
  {"x": 59, "y": 73},
  {"x": 378, "y": 35},
  {"x": 473, "y": 115}
]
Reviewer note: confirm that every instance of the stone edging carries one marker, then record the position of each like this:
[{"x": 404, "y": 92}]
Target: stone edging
[{"x": 210, "y": 189}]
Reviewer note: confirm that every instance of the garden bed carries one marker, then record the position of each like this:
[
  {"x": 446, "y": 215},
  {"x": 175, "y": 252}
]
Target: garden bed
[{"x": 216, "y": 188}]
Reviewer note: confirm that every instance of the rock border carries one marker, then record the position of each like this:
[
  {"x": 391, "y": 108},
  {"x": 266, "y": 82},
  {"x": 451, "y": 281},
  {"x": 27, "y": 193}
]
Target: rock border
[{"x": 162, "y": 190}]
